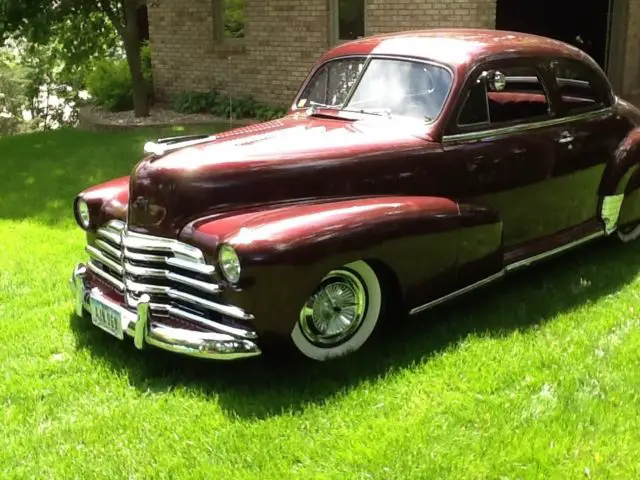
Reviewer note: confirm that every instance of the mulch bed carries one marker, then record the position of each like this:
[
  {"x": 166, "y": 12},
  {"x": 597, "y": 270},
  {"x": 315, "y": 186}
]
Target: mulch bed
[{"x": 96, "y": 119}]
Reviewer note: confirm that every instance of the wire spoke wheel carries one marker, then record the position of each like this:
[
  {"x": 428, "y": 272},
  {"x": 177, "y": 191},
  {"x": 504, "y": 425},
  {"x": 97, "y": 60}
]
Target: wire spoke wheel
[
  {"x": 341, "y": 314},
  {"x": 336, "y": 310}
]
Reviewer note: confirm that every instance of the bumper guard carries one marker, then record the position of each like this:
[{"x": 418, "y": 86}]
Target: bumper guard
[{"x": 209, "y": 345}]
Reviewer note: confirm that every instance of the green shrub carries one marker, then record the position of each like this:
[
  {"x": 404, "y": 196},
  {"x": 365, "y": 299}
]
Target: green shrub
[
  {"x": 195, "y": 102},
  {"x": 109, "y": 83},
  {"x": 220, "y": 105}
]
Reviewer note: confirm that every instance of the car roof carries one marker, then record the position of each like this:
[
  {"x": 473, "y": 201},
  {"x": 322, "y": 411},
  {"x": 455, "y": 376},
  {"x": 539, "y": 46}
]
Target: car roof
[{"x": 457, "y": 46}]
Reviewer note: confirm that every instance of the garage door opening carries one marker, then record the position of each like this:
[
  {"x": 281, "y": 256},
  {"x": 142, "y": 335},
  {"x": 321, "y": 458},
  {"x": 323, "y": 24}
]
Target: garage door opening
[{"x": 585, "y": 24}]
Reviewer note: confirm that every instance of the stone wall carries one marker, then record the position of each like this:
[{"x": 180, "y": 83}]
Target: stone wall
[{"x": 283, "y": 38}]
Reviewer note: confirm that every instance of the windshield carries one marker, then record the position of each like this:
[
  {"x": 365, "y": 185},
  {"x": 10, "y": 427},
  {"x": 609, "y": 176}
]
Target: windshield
[{"x": 396, "y": 87}]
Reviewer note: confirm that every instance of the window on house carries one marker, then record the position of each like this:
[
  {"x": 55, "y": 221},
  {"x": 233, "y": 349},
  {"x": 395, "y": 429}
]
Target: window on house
[
  {"x": 348, "y": 19},
  {"x": 232, "y": 13}
]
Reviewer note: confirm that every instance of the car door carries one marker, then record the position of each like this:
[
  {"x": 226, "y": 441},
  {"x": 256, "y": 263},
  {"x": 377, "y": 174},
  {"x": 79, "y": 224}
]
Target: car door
[
  {"x": 504, "y": 132},
  {"x": 591, "y": 133}
]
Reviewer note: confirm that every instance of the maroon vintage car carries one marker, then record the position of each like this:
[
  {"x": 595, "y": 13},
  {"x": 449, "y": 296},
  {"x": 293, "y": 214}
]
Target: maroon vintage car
[{"x": 411, "y": 168}]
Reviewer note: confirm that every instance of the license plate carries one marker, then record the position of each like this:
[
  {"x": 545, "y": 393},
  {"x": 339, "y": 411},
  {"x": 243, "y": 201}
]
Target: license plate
[{"x": 106, "y": 318}]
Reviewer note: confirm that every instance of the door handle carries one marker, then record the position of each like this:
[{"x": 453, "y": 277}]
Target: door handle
[{"x": 566, "y": 137}]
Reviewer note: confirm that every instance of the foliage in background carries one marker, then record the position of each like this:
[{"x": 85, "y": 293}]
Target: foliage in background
[
  {"x": 109, "y": 82},
  {"x": 234, "y": 18},
  {"x": 13, "y": 87},
  {"x": 220, "y": 105},
  {"x": 82, "y": 23},
  {"x": 53, "y": 65}
]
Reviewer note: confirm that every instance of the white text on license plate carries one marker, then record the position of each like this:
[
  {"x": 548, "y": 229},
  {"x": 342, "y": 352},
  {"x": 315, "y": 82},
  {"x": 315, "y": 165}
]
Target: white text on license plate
[{"x": 106, "y": 318}]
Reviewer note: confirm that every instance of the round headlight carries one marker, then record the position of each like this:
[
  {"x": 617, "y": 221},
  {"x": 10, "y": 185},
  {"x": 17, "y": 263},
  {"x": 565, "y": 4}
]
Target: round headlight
[
  {"x": 229, "y": 263},
  {"x": 82, "y": 214}
]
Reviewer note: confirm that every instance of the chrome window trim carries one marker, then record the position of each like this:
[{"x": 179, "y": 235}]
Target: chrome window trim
[
  {"x": 540, "y": 80},
  {"x": 480, "y": 135},
  {"x": 367, "y": 60}
]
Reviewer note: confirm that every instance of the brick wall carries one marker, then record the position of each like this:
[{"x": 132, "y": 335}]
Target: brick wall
[
  {"x": 384, "y": 16},
  {"x": 283, "y": 38}
]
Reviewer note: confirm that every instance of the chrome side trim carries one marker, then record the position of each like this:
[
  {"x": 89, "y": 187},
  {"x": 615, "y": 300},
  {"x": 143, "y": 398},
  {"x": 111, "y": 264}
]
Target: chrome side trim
[
  {"x": 525, "y": 127},
  {"x": 457, "y": 293},
  {"x": 508, "y": 269},
  {"x": 536, "y": 258},
  {"x": 610, "y": 212}
]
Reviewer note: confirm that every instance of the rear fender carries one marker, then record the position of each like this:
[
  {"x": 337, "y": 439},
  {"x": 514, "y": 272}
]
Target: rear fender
[{"x": 286, "y": 251}]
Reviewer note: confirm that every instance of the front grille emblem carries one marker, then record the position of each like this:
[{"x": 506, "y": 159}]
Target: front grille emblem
[{"x": 141, "y": 203}]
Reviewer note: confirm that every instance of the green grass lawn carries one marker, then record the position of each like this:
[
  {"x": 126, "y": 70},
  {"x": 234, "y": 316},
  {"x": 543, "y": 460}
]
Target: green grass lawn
[{"x": 536, "y": 377}]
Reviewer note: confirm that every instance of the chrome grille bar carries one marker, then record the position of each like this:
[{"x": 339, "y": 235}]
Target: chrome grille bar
[
  {"x": 102, "y": 258},
  {"x": 108, "y": 249},
  {"x": 236, "y": 332},
  {"x": 105, "y": 276},
  {"x": 190, "y": 282},
  {"x": 113, "y": 237},
  {"x": 228, "y": 310},
  {"x": 173, "y": 273}
]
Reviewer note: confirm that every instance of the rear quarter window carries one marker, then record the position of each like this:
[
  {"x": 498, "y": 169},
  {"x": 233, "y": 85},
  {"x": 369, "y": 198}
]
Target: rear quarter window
[{"x": 581, "y": 88}]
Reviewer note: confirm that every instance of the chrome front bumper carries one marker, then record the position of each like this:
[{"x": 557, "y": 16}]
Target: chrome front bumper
[{"x": 209, "y": 345}]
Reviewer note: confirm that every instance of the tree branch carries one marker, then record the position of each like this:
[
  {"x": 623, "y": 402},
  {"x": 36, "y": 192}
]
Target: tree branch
[{"x": 112, "y": 14}]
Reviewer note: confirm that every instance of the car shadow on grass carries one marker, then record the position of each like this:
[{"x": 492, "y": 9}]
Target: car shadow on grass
[{"x": 268, "y": 386}]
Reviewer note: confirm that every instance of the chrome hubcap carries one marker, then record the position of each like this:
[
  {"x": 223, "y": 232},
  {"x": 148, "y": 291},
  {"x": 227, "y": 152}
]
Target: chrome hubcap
[{"x": 336, "y": 310}]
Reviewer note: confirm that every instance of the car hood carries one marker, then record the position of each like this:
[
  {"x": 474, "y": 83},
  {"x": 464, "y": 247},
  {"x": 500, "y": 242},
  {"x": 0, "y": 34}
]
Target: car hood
[{"x": 290, "y": 159}]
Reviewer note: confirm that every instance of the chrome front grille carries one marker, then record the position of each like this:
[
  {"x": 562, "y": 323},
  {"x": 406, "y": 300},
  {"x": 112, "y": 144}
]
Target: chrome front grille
[{"x": 175, "y": 276}]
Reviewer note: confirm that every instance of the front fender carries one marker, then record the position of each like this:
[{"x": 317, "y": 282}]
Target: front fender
[
  {"x": 286, "y": 251},
  {"x": 107, "y": 201}
]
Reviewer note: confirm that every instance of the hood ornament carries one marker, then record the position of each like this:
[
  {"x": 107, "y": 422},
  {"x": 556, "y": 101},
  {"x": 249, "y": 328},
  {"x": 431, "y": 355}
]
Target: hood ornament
[{"x": 164, "y": 145}]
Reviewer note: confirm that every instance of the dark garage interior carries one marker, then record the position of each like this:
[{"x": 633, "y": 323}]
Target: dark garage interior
[{"x": 585, "y": 24}]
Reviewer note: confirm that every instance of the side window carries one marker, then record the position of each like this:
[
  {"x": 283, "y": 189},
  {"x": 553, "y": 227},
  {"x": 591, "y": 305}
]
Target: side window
[
  {"x": 504, "y": 96},
  {"x": 475, "y": 111},
  {"x": 332, "y": 83},
  {"x": 580, "y": 88}
]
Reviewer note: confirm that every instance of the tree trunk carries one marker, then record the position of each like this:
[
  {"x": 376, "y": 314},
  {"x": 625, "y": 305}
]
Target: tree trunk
[{"x": 131, "y": 38}]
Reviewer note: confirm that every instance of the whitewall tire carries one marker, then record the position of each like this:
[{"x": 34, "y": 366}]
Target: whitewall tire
[
  {"x": 341, "y": 315},
  {"x": 630, "y": 234}
]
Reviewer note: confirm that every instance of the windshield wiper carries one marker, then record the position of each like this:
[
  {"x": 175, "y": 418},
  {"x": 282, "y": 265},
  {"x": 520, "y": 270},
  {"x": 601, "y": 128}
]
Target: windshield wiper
[
  {"x": 323, "y": 105},
  {"x": 370, "y": 111}
]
